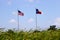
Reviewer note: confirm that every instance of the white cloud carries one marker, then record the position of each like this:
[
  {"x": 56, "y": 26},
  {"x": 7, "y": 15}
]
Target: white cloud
[
  {"x": 14, "y": 13},
  {"x": 9, "y": 2},
  {"x": 13, "y": 21},
  {"x": 30, "y": 0},
  {"x": 57, "y": 21},
  {"x": 33, "y": 1},
  {"x": 30, "y": 20}
]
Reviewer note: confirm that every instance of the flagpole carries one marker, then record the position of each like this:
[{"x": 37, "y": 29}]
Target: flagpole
[
  {"x": 18, "y": 21},
  {"x": 36, "y": 21}
]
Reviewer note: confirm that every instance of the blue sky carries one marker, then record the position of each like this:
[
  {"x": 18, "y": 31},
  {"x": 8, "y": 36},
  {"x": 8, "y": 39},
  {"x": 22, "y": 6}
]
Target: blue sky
[{"x": 50, "y": 13}]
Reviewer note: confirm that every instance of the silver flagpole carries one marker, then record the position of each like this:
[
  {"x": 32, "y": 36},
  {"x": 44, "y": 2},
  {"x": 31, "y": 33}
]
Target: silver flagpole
[
  {"x": 36, "y": 21},
  {"x": 18, "y": 22}
]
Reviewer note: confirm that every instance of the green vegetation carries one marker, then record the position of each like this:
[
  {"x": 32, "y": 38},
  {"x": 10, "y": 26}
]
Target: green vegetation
[{"x": 51, "y": 34}]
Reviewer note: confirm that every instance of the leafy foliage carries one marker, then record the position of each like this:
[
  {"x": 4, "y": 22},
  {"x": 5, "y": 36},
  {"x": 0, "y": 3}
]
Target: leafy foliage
[
  {"x": 53, "y": 27},
  {"x": 42, "y": 35},
  {"x": 51, "y": 34}
]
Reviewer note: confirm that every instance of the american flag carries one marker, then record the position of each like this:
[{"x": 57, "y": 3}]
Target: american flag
[{"x": 20, "y": 13}]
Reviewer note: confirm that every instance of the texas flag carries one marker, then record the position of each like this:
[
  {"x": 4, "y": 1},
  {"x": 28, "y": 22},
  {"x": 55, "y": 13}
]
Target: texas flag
[
  {"x": 38, "y": 12},
  {"x": 20, "y": 13}
]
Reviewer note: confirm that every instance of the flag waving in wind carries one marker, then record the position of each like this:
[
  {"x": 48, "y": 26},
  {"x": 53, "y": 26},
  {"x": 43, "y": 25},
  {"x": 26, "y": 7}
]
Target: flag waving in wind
[
  {"x": 20, "y": 13},
  {"x": 38, "y": 12}
]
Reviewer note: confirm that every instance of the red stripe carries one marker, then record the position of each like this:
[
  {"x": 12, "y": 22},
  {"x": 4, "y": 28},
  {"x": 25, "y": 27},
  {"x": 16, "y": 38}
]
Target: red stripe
[{"x": 21, "y": 14}]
